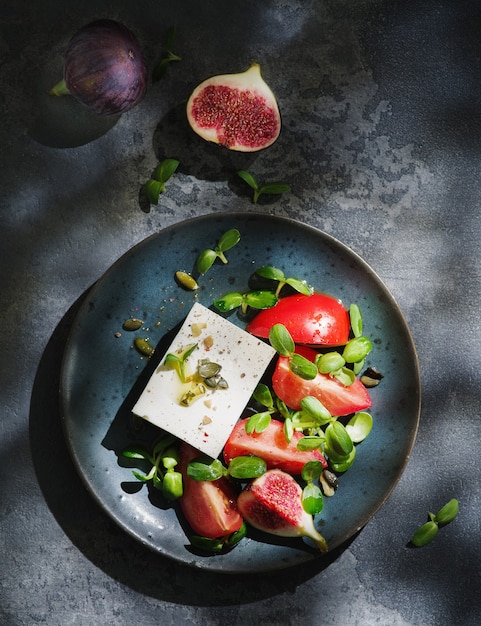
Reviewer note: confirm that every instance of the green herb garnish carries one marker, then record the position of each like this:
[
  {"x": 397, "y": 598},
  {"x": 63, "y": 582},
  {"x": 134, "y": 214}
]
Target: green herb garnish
[
  {"x": 266, "y": 188},
  {"x": 156, "y": 184},
  {"x": 207, "y": 257},
  {"x": 428, "y": 531},
  {"x": 282, "y": 342},
  {"x": 204, "y": 468},
  {"x": 275, "y": 274},
  {"x": 161, "y": 67},
  {"x": 163, "y": 459}
]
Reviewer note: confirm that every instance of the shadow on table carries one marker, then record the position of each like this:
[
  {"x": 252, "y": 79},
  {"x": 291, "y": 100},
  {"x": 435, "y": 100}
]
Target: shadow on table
[{"x": 104, "y": 543}]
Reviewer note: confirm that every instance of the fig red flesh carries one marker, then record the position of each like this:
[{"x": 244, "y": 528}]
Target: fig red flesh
[
  {"x": 272, "y": 503},
  {"x": 238, "y": 111}
]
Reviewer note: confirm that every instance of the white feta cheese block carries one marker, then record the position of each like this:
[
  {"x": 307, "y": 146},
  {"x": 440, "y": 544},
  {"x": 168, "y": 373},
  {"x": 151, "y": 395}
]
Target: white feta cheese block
[{"x": 206, "y": 423}]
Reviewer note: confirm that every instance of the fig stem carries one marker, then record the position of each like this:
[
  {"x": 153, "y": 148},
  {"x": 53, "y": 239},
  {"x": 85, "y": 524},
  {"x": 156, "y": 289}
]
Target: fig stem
[{"x": 60, "y": 89}]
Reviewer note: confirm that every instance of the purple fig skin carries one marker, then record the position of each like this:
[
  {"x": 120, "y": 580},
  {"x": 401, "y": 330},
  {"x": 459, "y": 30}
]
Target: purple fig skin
[{"x": 105, "y": 69}]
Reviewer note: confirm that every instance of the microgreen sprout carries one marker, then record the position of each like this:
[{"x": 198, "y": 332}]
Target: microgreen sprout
[
  {"x": 156, "y": 184},
  {"x": 258, "y": 422},
  {"x": 282, "y": 342},
  {"x": 177, "y": 361},
  {"x": 359, "y": 426},
  {"x": 275, "y": 274},
  {"x": 163, "y": 459},
  {"x": 312, "y": 500},
  {"x": 215, "y": 546},
  {"x": 207, "y": 257},
  {"x": 428, "y": 531},
  {"x": 242, "y": 467},
  {"x": 253, "y": 299},
  {"x": 161, "y": 67},
  {"x": 265, "y": 188}
]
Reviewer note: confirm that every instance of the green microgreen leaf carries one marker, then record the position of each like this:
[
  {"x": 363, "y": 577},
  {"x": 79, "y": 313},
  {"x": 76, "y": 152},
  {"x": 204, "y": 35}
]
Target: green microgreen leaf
[
  {"x": 207, "y": 544},
  {"x": 447, "y": 513},
  {"x": 281, "y": 340},
  {"x": 258, "y": 422},
  {"x": 329, "y": 362},
  {"x": 248, "y": 178},
  {"x": 266, "y": 188},
  {"x": 272, "y": 273},
  {"x": 177, "y": 361},
  {"x": 156, "y": 184},
  {"x": 206, "y": 258},
  {"x": 161, "y": 67},
  {"x": 229, "y": 302},
  {"x": 310, "y": 442},
  {"x": 356, "y": 349},
  {"x": 204, "y": 468},
  {"x": 260, "y": 299},
  {"x": 275, "y": 274},
  {"x": 262, "y": 394},
  {"x": 302, "y": 367},
  {"x": 142, "y": 477},
  {"x": 172, "y": 485},
  {"x": 342, "y": 464},
  {"x": 315, "y": 409},
  {"x": 299, "y": 285},
  {"x": 312, "y": 470},
  {"x": 338, "y": 439},
  {"x": 245, "y": 467},
  {"x": 425, "y": 534},
  {"x": 228, "y": 240},
  {"x": 355, "y": 317},
  {"x": 345, "y": 376},
  {"x": 288, "y": 429},
  {"x": 312, "y": 499},
  {"x": 134, "y": 452},
  {"x": 234, "y": 538},
  {"x": 153, "y": 189},
  {"x": 359, "y": 426}
]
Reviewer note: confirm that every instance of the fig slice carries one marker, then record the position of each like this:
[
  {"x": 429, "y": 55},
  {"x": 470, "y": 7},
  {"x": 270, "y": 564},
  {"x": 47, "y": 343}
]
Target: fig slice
[
  {"x": 237, "y": 111},
  {"x": 272, "y": 503}
]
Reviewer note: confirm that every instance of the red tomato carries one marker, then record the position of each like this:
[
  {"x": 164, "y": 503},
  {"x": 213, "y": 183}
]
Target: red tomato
[
  {"x": 270, "y": 445},
  {"x": 336, "y": 397},
  {"x": 318, "y": 319},
  {"x": 208, "y": 506}
]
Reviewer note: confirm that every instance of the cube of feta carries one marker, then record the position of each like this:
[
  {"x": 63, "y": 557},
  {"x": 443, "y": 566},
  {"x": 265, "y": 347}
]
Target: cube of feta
[{"x": 206, "y": 423}]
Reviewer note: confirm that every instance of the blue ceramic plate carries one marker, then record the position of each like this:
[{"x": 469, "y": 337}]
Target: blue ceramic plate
[{"x": 102, "y": 375}]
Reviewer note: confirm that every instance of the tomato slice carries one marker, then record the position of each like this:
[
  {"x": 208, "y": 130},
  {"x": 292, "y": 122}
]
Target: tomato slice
[
  {"x": 336, "y": 397},
  {"x": 208, "y": 506},
  {"x": 318, "y": 319},
  {"x": 270, "y": 445}
]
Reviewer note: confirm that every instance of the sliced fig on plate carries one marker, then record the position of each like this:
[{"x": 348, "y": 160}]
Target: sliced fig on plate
[
  {"x": 272, "y": 503},
  {"x": 237, "y": 111}
]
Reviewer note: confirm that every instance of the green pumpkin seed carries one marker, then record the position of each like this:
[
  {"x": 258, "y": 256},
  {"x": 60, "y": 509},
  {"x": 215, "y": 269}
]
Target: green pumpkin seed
[
  {"x": 186, "y": 281},
  {"x": 132, "y": 324},
  {"x": 143, "y": 346}
]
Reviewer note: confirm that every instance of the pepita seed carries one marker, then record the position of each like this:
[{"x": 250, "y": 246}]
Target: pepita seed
[
  {"x": 132, "y": 324},
  {"x": 207, "y": 369},
  {"x": 371, "y": 377},
  {"x": 186, "y": 281},
  {"x": 143, "y": 346}
]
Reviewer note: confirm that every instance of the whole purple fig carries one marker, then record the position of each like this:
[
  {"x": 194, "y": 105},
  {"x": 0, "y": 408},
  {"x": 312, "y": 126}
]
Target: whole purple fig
[{"x": 104, "y": 68}]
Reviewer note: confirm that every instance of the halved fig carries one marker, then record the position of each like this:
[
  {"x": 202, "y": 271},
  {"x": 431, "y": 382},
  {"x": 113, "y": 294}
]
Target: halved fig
[
  {"x": 272, "y": 503},
  {"x": 237, "y": 111}
]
